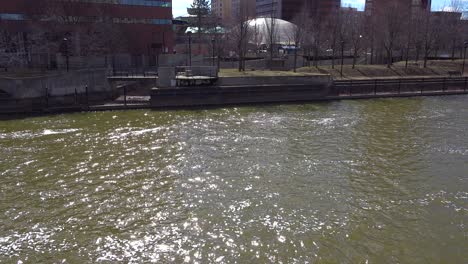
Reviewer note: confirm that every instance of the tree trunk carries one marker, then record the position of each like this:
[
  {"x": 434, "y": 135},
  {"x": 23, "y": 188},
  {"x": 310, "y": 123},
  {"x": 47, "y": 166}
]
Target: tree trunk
[
  {"x": 113, "y": 64},
  {"x": 295, "y": 58},
  {"x": 354, "y": 57},
  {"x": 453, "y": 49},
  {"x": 316, "y": 51},
  {"x": 389, "y": 58},
  {"x": 199, "y": 31},
  {"x": 333, "y": 56},
  {"x": 407, "y": 57},
  {"x": 426, "y": 54}
]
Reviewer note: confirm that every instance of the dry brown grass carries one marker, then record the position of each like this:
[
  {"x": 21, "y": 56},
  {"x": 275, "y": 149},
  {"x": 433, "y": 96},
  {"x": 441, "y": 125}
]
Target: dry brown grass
[
  {"x": 397, "y": 70},
  {"x": 250, "y": 73}
]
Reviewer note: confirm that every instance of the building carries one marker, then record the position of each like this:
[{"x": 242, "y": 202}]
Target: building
[
  {"x": 142, "y": 29},
  {"x": 415, "y": 6},
  {"x": 227, "y": 10},
  {"x": 243, "y": 9},
  {"x": 288, "y": 9},
  {"x": 222, "y": 9}
]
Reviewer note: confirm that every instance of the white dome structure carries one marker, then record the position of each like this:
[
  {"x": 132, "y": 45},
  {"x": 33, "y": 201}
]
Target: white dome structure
[{"x": 260, "y": 28}]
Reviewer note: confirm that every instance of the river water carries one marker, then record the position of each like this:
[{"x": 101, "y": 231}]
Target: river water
[{"x": 372, "y": 181}]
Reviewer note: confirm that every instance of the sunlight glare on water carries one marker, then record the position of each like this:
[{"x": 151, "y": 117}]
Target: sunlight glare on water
[{"x": 344, "y": 182}]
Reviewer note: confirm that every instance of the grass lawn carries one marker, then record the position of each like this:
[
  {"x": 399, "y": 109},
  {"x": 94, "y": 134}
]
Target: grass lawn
[
  {"x": 264, "y": 73},
  {"x": 398, "y": 70},
  {"x": 21, "y": 74}
]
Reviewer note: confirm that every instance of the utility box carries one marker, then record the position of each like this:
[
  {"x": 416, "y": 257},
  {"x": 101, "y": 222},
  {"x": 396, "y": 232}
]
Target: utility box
[{"x": 166, "y": 77}]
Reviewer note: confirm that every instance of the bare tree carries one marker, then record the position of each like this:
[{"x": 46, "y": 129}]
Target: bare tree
[
  {"x": 109, "y": 40},
  {"x": 53, "y": 27},
  {"x": 454, "y": 29},
  {"x": 354, "y": 22},
  {"x": 257, "y": 38},
  {"x": 298, "y": 33},
  {"x": 336, "y": 33},
  {"x": 271, "y": 28},
  {"x": 370, "y": 36},
  {"x": 432, "y": 34},
  {"x": 314, "y": 31},
  {"x": 214, "y": 30},
  {"x": 10, "y": 49},
  {"x": 418, "y": 29},
  {"x": 239, "y": 35},
  {"x": 391, "y": 27}
]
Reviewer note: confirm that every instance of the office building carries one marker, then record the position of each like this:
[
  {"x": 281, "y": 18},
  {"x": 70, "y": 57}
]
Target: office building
[
  {"x": 145, "y": 26},
  {"x": 243, "y": 8},
  {"x": 227, "y": 10},
  {"x": 288, "y": 9},
  {"x": 415, "y": 6},
  {"x": 222, "y": 9}
]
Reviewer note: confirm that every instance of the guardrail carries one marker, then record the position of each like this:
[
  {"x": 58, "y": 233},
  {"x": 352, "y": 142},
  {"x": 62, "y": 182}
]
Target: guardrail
[
  {"x": 401, "y": 86},
  {"x": 133, "y": 72},
  {"x": 80, "y": 100}
]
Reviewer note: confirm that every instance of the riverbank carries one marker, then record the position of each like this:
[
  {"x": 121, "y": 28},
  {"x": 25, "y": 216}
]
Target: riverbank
[
  {"x": 254, "y": 87},
  {"x": 195, "y": 97}
]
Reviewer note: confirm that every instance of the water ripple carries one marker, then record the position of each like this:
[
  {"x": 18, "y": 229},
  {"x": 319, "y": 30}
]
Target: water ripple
[{"x": 346, "y": 182}]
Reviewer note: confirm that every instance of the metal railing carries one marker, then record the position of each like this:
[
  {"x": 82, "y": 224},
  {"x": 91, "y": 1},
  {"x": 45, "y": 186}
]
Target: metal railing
[
  {"x": 402, "y": 86},
  {"x": 186, "y": 76},
  {"x": 81, "y": 100},
  {"x": 133, "y": 72}
]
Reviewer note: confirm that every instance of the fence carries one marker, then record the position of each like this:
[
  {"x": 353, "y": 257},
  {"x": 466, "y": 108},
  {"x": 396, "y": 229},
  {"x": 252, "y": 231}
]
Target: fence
[
  {"x": 81, "y": 100},
  {"x": 409, "y": 86},
  {"x": 133, "y": 72}
]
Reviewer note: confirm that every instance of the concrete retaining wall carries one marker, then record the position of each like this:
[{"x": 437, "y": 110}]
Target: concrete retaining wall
[
  {"x": 57, "y": 85},
  {"x": 200, "y": 96},
  {"x": 324, "y": 80}
]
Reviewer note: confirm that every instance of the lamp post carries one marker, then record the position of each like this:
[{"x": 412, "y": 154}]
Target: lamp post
[
  {"x": 213, "y": 46},
  {"x": 65, "y": 41},
  {"x": 464, "y": 58},
  {"x": 342, "y": 58},
  {"x": 357, "y": 47},
  {"x": 190, "y": 47}
]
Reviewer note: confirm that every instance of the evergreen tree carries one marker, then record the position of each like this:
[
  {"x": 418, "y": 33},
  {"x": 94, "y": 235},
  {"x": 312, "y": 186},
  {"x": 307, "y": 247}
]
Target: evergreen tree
[{"x": 200, "y": 8}]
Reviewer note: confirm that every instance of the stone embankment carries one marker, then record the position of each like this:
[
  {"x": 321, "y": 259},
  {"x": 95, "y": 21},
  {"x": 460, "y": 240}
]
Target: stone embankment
[{"x": 54, "y": 94}]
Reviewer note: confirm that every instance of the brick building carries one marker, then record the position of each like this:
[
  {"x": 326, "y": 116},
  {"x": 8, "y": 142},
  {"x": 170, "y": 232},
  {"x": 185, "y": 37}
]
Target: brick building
[
  {"x": 288, "y": 9},
  {"x": 141, "y": 29},
  {"x": 376, "y": 6},
  {"x": 227, "y": 10},
  {"x": 222, "y": 9}
]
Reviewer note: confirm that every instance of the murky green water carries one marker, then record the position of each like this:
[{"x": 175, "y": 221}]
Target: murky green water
[{"x": 378, "y": 181}]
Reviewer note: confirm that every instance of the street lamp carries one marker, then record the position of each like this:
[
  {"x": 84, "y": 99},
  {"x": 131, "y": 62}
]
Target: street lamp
[
  {"x": 464, "y": 58},
  {"x": 342, "y": 58},
  {"x": 213, "y": 46},
  {"x": 65, "y": 41},
  {"x": 190, "y": 47}
]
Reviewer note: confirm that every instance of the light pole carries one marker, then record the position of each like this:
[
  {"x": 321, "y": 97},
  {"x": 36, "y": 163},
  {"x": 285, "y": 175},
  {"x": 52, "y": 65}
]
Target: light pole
[
  {"x": 65, "y": 41},
  {"x": 190, "y": 47},
  {"x": 213, "y": 46},
  {"x": 464, "y": 58},
  {"x": 342, "y": 58}
]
